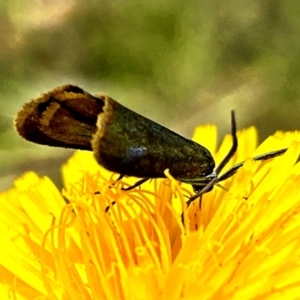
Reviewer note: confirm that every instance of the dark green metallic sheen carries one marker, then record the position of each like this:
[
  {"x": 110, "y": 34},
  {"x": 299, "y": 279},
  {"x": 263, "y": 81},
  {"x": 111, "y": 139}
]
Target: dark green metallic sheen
[{"x": 130, "y": 144}]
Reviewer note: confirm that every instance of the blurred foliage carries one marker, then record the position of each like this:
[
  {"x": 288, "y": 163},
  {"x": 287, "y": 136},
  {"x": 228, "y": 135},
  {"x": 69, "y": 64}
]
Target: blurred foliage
[{"x": 199, "y": 58}]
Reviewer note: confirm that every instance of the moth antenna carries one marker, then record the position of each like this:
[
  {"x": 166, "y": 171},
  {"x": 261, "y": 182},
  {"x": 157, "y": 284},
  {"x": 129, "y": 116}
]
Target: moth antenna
[
  {"x": 221, "y": 187},
  {"x": 233, "y": 147},
  {"x": 223, "y": 163},
  {"x": 265, "y": 156}
]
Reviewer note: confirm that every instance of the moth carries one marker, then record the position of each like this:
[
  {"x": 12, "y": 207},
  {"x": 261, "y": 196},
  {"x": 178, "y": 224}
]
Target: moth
[{"x": 123, "y": 141}]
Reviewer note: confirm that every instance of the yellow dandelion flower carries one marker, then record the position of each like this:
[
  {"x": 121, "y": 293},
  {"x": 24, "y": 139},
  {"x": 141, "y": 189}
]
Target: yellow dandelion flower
[{"x": 94, "y": 240}]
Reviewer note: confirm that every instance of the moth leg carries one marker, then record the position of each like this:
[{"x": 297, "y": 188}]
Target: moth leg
[
  {"x": 120, "y": 177},
  {"x": 107, "y": 208},
  {"x": 188, "y": 203},
  {"x": 114, "y": 202},
  {"x": 200, "y": 202},
  {"x": 192, "y": 199},
  {"x": 138, "y": 183}
]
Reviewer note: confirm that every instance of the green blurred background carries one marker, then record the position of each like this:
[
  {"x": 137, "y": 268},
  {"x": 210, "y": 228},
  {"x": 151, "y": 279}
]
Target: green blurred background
[{"x": 180, "y": 63}]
